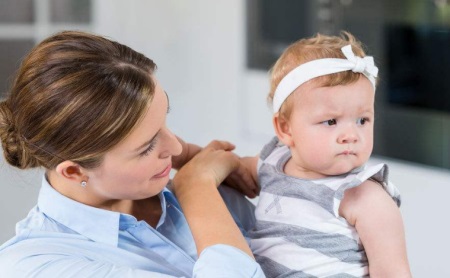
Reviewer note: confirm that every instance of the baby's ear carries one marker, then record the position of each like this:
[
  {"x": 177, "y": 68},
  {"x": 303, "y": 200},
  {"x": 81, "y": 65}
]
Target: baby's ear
[{"x": 283, "y": 129}]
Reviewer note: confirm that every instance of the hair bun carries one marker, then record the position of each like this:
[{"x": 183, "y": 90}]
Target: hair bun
[{"x": 14, "y": 149}]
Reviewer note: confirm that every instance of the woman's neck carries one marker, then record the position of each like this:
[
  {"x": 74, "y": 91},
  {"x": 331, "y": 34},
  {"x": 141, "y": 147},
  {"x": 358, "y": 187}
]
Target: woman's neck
[{"x": 148, "y": 210}]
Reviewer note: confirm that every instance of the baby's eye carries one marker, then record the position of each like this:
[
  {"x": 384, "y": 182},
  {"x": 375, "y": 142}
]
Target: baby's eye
[
  {"x": 330, "y": 122},
  {"x": 362, "y": 121}
]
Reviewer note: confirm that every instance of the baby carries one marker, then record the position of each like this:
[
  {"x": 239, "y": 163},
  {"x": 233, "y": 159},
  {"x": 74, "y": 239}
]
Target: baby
[{"x": 322, "y": 212}]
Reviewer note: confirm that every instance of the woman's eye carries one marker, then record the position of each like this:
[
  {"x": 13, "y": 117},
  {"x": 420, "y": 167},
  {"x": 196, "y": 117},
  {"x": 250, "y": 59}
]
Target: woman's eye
[
  {"x": 329, "y": 122},
  {"x": 362, "y": 121},
  {"x": 148, "y": 150}
]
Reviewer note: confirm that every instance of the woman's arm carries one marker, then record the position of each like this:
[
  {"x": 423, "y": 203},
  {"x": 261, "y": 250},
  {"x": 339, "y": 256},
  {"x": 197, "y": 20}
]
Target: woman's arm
[
  {"x": 195, "y": 186},
  {"x": 242, "y": 178},
  {"x": 379, "y": 224}
]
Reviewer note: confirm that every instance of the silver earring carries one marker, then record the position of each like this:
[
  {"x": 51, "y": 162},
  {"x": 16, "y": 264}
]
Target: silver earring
[{"x": 83, "y": 183}]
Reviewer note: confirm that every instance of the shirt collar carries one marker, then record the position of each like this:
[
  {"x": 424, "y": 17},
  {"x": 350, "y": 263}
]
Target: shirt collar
[{"x": 96, "y": 224}]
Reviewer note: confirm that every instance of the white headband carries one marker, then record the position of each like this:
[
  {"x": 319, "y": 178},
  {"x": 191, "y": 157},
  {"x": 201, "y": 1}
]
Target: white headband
[{"x": 320, "y": 67}]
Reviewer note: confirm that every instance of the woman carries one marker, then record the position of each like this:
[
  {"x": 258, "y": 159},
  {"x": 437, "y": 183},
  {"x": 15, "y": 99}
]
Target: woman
[{"x": 90, "y": 111}]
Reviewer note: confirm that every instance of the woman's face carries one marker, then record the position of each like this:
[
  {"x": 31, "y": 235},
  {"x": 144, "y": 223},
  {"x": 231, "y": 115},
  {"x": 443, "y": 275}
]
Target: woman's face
[{"x": 139, "y": 166}]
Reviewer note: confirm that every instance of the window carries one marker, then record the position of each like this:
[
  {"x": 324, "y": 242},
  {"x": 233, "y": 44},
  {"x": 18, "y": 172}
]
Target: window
[
  {"x": 410, "y": 41},
  {"x": 23, "y": 23}
]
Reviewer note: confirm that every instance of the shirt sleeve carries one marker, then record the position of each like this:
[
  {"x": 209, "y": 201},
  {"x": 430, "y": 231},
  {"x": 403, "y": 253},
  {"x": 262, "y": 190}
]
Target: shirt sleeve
[
  {"x": 44, "y": 266},
  {"x": 214, "y": 261},
  {"x": 226, "y": 261}
]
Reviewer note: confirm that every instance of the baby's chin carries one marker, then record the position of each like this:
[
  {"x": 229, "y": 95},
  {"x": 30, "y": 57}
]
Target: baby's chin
[{"x": 342, "y": 169}]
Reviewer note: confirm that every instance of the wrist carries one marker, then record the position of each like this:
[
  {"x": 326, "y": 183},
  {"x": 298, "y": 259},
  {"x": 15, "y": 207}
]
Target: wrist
[{"x": 184, "y": 184}]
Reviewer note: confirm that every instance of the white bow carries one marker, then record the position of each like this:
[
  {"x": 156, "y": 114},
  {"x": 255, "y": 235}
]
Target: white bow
[{"x": 364, "y": 65}]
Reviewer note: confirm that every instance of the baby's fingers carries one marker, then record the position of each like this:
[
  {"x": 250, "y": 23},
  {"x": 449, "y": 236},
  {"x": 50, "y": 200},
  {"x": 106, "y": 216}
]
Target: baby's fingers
[
  {"x": 242, "y": 180},
  {"x": 246, "y": 182}
]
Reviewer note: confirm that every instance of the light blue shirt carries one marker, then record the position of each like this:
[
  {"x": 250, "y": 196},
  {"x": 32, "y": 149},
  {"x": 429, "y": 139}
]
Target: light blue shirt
[{"x": 64, "y": 238}]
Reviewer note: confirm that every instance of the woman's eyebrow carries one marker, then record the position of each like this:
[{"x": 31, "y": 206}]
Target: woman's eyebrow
[{"x": 168, "y": 102}]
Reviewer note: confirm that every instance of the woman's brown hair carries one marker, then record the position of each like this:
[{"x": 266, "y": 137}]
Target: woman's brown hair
[
  {"x": 75, "y": 96},
  {"x": 313, "y": 48}
]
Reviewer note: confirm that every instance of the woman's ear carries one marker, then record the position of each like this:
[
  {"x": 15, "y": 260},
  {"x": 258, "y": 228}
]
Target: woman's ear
[
  {"x": 71, "y": 171},
  {"x": 282, "y": 129}
]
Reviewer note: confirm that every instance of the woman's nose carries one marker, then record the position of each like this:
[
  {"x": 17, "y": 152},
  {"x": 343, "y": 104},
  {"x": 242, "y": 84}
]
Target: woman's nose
[{"x": 172, "y": 145}]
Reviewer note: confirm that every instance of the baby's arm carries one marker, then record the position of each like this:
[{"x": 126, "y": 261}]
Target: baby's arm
[{"x": 379, "y": 224}]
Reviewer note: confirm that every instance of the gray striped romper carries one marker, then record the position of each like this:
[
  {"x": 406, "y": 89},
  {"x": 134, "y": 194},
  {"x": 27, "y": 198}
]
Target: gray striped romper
[{"x": 299, "y": 232}]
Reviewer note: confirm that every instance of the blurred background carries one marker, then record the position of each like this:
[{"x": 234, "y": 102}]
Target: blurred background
[{"x": 213, "y": 58}]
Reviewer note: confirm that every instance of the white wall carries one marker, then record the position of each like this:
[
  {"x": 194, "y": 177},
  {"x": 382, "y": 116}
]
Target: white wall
[{"x": 199, "y": 46}]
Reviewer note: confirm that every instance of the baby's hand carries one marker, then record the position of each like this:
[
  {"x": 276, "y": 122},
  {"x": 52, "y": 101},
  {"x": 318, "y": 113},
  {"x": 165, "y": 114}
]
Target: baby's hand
[{"x": 243, "y": 178}]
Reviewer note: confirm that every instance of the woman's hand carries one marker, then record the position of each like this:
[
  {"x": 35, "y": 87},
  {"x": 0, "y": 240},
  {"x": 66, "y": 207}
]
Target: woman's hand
[
  {"x": 195, "y": 186},
  {"x": 218, "y": 162},
  {"x": 210, "y": 166}
]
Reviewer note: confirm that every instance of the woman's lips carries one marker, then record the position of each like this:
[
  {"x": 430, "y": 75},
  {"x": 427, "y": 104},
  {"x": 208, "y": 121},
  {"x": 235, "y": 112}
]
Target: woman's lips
[{"x": 164, "y": 173}]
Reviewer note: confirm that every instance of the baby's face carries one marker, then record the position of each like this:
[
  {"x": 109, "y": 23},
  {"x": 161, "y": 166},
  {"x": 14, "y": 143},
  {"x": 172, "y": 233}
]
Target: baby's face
[{"x": 331, "y": 128}]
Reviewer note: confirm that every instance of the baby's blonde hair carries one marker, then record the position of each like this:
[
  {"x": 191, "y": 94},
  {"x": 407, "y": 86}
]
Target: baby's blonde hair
[{"x": 313, "y": 48}]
